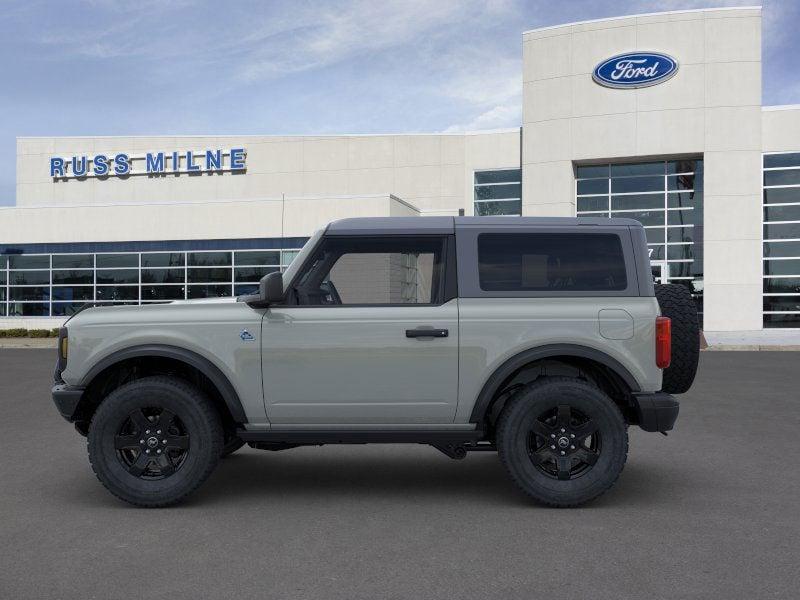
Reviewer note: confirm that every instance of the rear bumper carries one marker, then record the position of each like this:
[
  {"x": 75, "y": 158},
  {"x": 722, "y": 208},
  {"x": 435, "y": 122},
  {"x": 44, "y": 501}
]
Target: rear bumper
[
  {"x": 657, "y": 411},
  {"x": 67, "y": 398}
]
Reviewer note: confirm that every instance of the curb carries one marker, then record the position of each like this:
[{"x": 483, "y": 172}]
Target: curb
[{"x": 29, "y": 343}]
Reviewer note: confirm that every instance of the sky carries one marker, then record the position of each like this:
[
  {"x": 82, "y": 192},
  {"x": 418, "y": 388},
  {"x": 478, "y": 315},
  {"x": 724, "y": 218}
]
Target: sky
[{"x": 160, "y": 67}]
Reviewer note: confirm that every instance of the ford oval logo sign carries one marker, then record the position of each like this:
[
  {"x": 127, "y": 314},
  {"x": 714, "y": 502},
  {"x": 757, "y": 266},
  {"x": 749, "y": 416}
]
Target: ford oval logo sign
[{"x": 635, "y": 70}]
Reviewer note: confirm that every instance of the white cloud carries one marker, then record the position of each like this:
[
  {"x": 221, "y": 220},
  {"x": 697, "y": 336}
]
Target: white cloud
[{"x": 497, "y": 117}]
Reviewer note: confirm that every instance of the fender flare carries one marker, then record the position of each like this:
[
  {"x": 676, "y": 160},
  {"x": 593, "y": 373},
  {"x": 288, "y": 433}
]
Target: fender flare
[
  {"x": 505, "y": 370},
  {"x": 202, "y": 364}
]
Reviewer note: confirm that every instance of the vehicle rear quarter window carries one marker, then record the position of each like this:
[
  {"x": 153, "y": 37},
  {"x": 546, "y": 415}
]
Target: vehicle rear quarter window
[{"x": 551, "y": 262}]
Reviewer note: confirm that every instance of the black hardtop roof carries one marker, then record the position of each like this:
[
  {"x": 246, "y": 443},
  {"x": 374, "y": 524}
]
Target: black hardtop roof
[{"x": 445, "y": 225}]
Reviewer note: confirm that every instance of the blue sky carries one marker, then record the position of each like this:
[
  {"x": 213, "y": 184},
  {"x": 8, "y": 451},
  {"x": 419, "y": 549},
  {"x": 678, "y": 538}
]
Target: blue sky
[{"x": 105, "y": 67}]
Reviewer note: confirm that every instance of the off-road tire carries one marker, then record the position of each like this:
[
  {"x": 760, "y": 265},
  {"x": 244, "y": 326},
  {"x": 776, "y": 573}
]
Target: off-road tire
[
  {"x": 230, "y": 445},
  {"x": 676, "y": 303},
  {"x": 513, "y": 440},
  {"x": 199, "y": 420}
]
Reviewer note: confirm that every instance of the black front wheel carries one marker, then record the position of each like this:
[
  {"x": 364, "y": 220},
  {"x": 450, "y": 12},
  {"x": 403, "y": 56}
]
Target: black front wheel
[
  {"x": 153, "y": 441},
  {"x": 563, "y": 441}
]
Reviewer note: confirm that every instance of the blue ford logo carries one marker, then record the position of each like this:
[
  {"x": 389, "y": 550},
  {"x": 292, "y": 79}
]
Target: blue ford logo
[{"x": 635, "y": 70}]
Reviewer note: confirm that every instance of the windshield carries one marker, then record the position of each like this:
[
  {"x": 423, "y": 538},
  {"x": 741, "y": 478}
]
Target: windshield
[{"x": 291, "y": 270}]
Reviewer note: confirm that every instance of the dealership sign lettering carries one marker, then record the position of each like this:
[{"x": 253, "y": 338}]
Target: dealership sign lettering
[
  {"x": 635, "y": 70},
  {"x": 122, "y": 164}
]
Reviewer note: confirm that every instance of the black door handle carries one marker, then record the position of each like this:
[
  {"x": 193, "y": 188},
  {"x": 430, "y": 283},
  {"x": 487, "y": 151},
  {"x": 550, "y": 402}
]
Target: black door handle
[{"x": 421, "y": 332}]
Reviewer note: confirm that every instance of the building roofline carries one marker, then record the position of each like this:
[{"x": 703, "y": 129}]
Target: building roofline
[{"x": 651, "y": 14}]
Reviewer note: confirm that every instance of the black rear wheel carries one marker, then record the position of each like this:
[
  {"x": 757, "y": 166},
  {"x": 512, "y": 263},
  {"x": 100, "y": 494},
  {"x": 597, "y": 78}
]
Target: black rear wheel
[
  {"x": 153, "y": 441},
  {"x": 562, "y": 440}
]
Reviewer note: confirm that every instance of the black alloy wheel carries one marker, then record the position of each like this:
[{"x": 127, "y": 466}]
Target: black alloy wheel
[
  {"x": 152, "y": 443},
  {"x": 564, "y": 443}
]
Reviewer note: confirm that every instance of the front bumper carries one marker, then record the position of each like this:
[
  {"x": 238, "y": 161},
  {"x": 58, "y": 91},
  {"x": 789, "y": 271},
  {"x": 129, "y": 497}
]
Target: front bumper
[
  {"x": 67, "y": 398},
  {"x": 657, "y": 411}
]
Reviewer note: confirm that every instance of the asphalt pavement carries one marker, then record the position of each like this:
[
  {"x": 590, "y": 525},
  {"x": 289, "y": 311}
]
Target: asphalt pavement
[{"x": 712, "y": 511}]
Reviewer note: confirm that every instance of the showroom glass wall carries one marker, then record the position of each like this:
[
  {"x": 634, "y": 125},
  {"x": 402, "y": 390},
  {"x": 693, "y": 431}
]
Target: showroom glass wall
[
  {"x": 41, "y": 285},
  {"x": 782, "y": 240},
  {"x": 498, "y": 192},
  {"x": 667, "y": 198}
]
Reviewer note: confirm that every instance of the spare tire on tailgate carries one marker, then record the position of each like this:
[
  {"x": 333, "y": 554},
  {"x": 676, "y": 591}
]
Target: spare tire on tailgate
[{"x": 676, "y": 303}]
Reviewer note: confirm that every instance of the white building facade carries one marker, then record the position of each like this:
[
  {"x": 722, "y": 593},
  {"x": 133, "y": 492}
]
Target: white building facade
[{"x": 689, "y": 151}]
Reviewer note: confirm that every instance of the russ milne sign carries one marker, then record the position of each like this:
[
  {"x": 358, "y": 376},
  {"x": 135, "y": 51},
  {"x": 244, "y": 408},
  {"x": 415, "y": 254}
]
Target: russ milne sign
[
  {"x": 151, "y": 163},
  {"x": 635, "y": 70}
]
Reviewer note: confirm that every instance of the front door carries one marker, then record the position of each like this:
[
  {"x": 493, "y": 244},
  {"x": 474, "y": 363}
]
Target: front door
[{"x": 369, "y": 335}]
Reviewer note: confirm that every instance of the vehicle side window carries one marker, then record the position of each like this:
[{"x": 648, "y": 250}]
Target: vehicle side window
[
  {"x": 587, "y": 262},
  {"x": 374, "y": 271}
]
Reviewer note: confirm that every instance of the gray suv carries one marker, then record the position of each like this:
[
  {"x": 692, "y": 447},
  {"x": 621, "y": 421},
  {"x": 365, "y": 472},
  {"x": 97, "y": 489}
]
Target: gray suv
[{"x": 540, "y": 338}]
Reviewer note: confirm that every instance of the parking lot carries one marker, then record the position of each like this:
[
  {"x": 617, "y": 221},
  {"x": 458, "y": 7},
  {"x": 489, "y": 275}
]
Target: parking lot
[{"x": 712, "y": 511}]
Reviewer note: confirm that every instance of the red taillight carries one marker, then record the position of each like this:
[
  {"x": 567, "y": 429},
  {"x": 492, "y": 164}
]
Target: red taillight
[{"x": 663, "y": 342}]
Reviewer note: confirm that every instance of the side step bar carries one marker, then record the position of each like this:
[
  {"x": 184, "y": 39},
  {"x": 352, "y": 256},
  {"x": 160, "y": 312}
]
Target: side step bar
[{"x": 364, "y": 436}]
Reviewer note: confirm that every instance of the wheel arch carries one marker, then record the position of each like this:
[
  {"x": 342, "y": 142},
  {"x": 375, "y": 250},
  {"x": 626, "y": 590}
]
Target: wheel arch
[
  {"x": 505, "y": 373},
  {"x": 176, "y": 355}
]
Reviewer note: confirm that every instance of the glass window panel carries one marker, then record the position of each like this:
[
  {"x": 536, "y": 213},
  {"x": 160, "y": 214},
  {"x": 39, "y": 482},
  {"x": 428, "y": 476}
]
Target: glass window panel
[
  {"x": 251, "y": 274},
  {"x": 781, "y": 249},
  {"x": 684, "y": 166},
  {"x": 551, "y": 262},
  {"x": 73, "y": 261},
  {"x": 593, "y": 203},
  {"x": 788, "y": 177},
  {"x": 655, "y": 235},
  {"x": 782, "y": 267},
  {"x": 782, "y": 213},
  {"x": 259, "y": 257},
  {"x": 245, "y": 290},
  {"x": 651, "y": 168},
  {"x": 28, "y": 309},
  {"x": 684, "y": 269},
  {"x": 782, "y": 303},
  {"x": 782, "y": 160},
  {"x": 3, "y": 261},
  {"x": 593, "y": 186},
  {"x": 289, "y": 256},
  {"x": 65, "y": 309},
  {"x": 2, "y": 294},
  {"x": 118, "y": 276},
  {"x": 209, "y": 259},
  {"x": 117, "y": 292},
  {"x": 782, "y": 231},
  {"x": 680, "y": 234},
  {"x": 2, "y": 277},
  {"x": 781, "y": 195},
  {"x": 163, "y": 259},
  {"x": 587, "y": 171},
  {"x": 73, "y": 293},
  {"x": 29, "y": 293},
  {"x": 29, "y": 277},
  {"x": 73, "y": 277},
  {"x": 685, "y": 199},
  {"x": 684, "y": 182},
  {"x": 209, "y": 291},
  {"x": 162, "y": 292},
  {"x": 499, "y": 176},
  {"x": 782, "y": 285},
  {"x": 498, "y": 192},
  {"x": 684, "y": 217},
  {"x": 778, "y": 321},
  {"x": 645, "y": 217},
  {"x": 639, "y": 201},
  {"x": 679, "y": 252},
  {"x": 656, "y": 252},
  {"x": 500, "y": 207},
  {"x": 23, "y": 261},
  {"x": 2, "y": 310},
  {"x": 163, "y": 276},
  {"x": 637, "y": 184},
  {"x": 208, "y": 275},
  {"x": 117, "y": 260}
]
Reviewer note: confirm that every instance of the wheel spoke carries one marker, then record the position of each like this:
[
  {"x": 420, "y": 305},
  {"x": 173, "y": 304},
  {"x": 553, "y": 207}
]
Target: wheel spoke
[
  {"x": 141, "y": 422},
  {"x": 564, "y": 467},
  {"x": 165, "y": 464},
  {"x": 542, "y": 455},
  {"x": 139, "y": 465},
  {"x": 125, "y": 442},
  {"x": 177, "y": 441},
  {"x": 165, "y": 420},
  {"x": 588, "y": 456},
  {"x": 564, "y": 415},
  {"x": 585, "y": 430},
  {"x": 541, "y": 429}
]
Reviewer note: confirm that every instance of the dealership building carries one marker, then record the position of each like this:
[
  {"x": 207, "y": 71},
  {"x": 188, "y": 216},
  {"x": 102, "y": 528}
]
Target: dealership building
[{"x": 654, "y": 117}]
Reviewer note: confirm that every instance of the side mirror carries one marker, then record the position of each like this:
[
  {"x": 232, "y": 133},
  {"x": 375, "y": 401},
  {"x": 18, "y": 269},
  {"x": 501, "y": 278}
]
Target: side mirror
[{"x": 270, "y": 288}]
